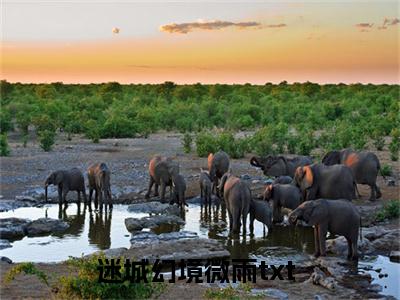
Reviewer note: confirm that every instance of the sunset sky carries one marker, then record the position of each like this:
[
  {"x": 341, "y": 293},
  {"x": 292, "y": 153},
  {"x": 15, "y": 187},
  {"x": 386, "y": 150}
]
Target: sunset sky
[{"x": 193, "y": 41}]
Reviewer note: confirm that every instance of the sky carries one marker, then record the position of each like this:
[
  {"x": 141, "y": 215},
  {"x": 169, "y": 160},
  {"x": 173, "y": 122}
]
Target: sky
[{"x": 194, "y": 41}]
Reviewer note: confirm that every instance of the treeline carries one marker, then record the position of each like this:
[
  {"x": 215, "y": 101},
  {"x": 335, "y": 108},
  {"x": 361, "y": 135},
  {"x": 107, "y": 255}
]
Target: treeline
[{"x": 334, "y": 116}]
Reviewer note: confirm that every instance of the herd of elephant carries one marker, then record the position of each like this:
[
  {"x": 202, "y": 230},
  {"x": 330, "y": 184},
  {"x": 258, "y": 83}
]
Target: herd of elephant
[{"x": 319, "y": 194}]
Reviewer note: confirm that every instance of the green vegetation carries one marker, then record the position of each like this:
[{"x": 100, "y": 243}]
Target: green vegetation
[
  {"x": 26, "y": 268},
  {"x": 4, "y": 148},
  {"x": 46, "y": 139},
  {"x": 292, "y": 118},
  {"x": 187, "y": 140},
  {"x": 230, "y": 293},
  {"x": 85, "y": 283},
  {"x": 386, "y": 170},
  {"x": 390, "y": 210},
  {"x": 394, "y": 146}
]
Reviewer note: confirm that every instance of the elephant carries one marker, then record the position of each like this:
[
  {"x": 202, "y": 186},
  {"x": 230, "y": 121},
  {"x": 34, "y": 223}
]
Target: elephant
[
  {"x": 282, "y": 195},
  {"x": 237, "y": 198},
  {"x": 283, "y": 180},
  {"x": 339, "y": 217},
  {"x": 99, "y": 181},
  {"x": 330, "y": 182},
  {"x": 364, "y": 165},
  {"x": 205, "y": 186},
  {"x": 179, "y": 189},
  {"x": 67, "y": 180},
  {"x": 218, "y": 165},
  {"x": 280, "y": 165},
  {"x": 161, "y": 170},
  {"x": 260, "y": 211}
]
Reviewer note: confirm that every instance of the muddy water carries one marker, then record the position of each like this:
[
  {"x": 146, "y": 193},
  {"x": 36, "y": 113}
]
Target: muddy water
[{"x": 92, "y": 231}]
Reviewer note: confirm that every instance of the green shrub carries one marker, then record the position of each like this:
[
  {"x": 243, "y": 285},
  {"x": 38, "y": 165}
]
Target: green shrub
[
  {"x": 390, "y": 210},
  {"x": 5, "y": 121},
  {"x": 187, "y": 140},
  {"x": 92, "y": 131},
  {"x": 378, "y": 140},
  {"x": 26, "y": 268},
  {"x": 25, "y": 140},
  {"x": 4, "y": 148},
  {"x": 46, "y": 139},
  {"x": 394, "y": 145},
  {"x": 86, "y": 283},
  {"x": 205, "y": 144},
  {"x": 262, "y": 142},
  {"x": 386, "y": 170},
  {"x": 306, "y": 143}
]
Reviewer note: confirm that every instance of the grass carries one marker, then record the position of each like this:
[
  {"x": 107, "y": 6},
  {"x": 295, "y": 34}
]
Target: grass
[
  {"x": 26, "y": 268},
  {"x": 390, "y": 210},
  {"x": 243, "y": 291}
]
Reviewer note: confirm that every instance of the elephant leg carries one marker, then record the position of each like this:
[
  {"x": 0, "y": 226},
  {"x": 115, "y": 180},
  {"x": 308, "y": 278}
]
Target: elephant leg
[
  {"x": 322, "y": 231},
  {"x": 90, "y": 194},
  {"x": 163, "y": 187},
  {"x": 244, "y": 221},
  {"x": 349, "y": 248},
  {"x": 60, "y": 197},
  {"x": 372, "y": 197},
  {"x": 230, "y": 220},
  {"x": 355, "y": 249},
  {"x": 96, "y": 198},
  {"x": 316, "y": 241},
  {"x": 252, "y": 223},
  {"x": 156, "y": 190},
  {"x": 236, "y": 220},
  {"x": 64, "y": 196},
  {"x": 149, "y": 189},
  {"x": 201, "y": 193},
  {"x": 79, "y": 197},
  {"x": 378, "y": 191}
]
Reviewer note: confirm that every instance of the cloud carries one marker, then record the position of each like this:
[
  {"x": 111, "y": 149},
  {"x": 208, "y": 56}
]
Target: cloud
[
  {"x": 276, "y": 25},
  {"x": 364, "y": 25},
  {"x": 389, "y": 22},
  {"x": 115, "y": 30},
  {"x": 184, "y": 28}
]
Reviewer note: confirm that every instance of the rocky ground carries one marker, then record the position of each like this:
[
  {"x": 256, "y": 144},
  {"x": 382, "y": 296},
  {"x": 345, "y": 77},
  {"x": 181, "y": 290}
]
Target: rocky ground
[{"x": 23, "y": 174}]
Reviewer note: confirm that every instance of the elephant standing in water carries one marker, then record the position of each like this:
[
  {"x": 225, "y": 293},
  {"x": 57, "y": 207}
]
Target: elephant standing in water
[
  {"x": 205, "y": 186},
  {"x": 218, "y": 165},
  {"x": 336, "y": 216},
  {"x": 237, "y": 197},
  {"x": 179, "y": 189},
  {"x": 161, "y": 170},
  {"x": 279, "y": 165},
  {"x": 99, "y": 181},
  {"x": 67, "y": 180},
  {"x": 364, "y": 165},
  {"x": 329, "y": 182}
]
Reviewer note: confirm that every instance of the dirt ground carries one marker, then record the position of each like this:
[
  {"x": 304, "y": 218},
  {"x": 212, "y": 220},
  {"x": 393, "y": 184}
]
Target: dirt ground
[{"x": 27, "y": 168}]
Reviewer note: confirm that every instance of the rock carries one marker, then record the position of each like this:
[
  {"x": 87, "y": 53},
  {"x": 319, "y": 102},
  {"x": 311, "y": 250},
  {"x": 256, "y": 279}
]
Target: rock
[
  {"x": 133, "y": 224},
  {"x": 150, "y": 237},
  {"x": 154, "y": 207},
  {"x": 25, "y": 198},
  {"x": 391, "y": 182},
  {"x": 110, "y": 253},
  {"x": 6, "y": 259},
  {"x": 394, "y": 256},
  {"x": 388, "y": 242},
  {"x": 255, "y": 181},
  {"x": 320, "y": 278},
  {"x": 11, "y": 228},
  {"x": 6, "y": 205},
  {"x": 245, "y": 177},
  {"x": 4, "y": 244},
  {"x": 270, "y": 293},
  {"x": 375, "y": 288},
  {"x": 45, "y": 226},
  {"x": 192, "y": 248},
  {"x": 339, "y": 246}
]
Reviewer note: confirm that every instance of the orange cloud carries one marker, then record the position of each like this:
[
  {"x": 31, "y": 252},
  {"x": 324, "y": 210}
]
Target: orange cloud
[
  {"x": 184, "y": 28},
  {"x": 364, "y": 25},
  {"x": 389, "y": 22},
  {"x": 276, "y": 25}
]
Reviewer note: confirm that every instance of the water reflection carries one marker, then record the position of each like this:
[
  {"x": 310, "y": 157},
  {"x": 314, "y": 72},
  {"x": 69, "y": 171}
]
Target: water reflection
[{"x": 100, "y": 228}]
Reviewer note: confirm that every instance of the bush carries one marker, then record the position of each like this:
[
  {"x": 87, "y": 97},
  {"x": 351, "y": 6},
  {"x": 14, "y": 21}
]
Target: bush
[
  {"x": 26, "y": 268},
  {"x": 187, "y": 140},
  {"x": 5, "y": 121},
  {"x": 4, "y": 148},
  {"x": 262, "y": 142},
  {"x": 92, "y": 131},
  {"x": 386, "y": 170},
  {"x": 394, "y": 145},
  {"x": 306, "y": 143},
  {"x": 390, "y": 210},
  {"x": 86, "y": 285},
  {"x": 378, "y": 140},
  {"x": 205, "y": 144},
  {"x": 46, "y": 139}
]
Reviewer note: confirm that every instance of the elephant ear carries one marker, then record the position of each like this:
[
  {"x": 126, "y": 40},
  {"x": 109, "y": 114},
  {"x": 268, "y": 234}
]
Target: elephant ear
[
  {"x": 308, "y": 177},
  {"x": 268, "y": 193},
  {"x": 316, "y": 214},
  {"x": 209, "y": 161},
  {"x": 298, "y": 176},
  {"x": 224, "y": 178},
  {"x": 285, "y": 162},
  {"x": 58, "y": 177},
  {"x": 331, "y": 158}
]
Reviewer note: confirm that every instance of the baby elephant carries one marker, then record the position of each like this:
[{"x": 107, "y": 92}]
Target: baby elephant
[
  {"x": 67, "y": 180},
  {"x": 237, "y": 197},
  {"x": 336, "y": 216},
  {"x": 99, "y": 181},
  {"x": 282, "y": 195},
  {"x": 179, "y": 189},
  {"x": 205, "y": 186},
  {"x": 260, "y": 211}
]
